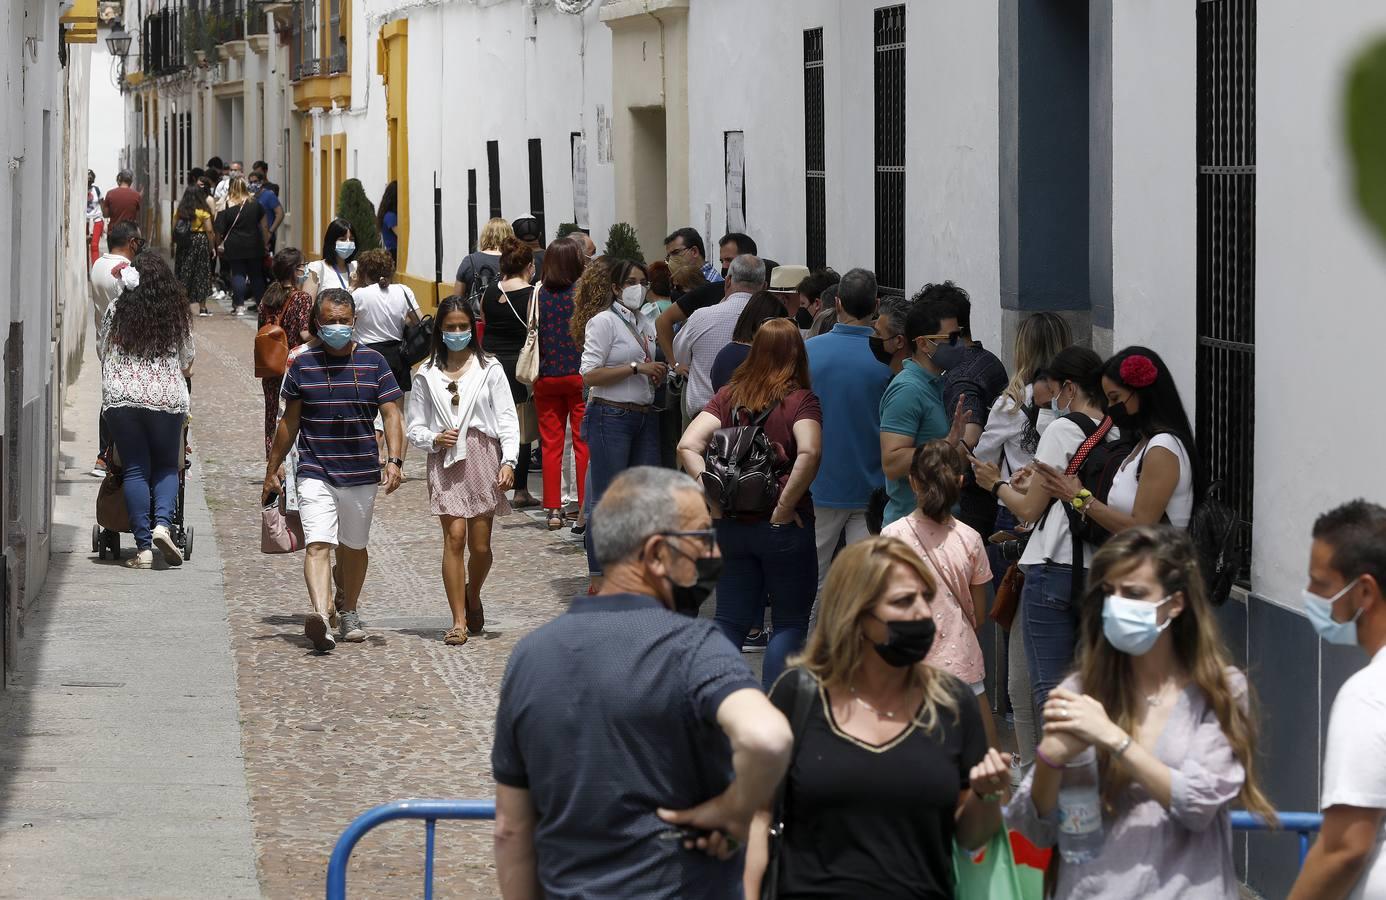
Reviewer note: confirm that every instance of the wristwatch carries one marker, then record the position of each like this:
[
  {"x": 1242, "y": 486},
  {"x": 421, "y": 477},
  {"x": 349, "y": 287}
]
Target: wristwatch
[
  {"x": 508, "y": 462},
  {"x": 1083, "y": 500},
  {"x": 398, "y": 463},
  {"x": 634, "y": 367},
  {"x": 996, "y": 489}
]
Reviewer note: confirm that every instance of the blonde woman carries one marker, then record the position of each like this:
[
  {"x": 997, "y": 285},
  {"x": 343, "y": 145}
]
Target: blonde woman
[
  {"x": 1157, "y": 697},
  {"x": 890, "y": 765},
  {"x": 242, "y": 236},
  {"x": 481, "y": 269},
  {"x": 1009, "y": 442}
]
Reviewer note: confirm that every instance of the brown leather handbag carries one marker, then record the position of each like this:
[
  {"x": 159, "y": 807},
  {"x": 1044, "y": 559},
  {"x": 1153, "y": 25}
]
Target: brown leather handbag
[
  {"x": 1007, "y": 602},
  {"x": 272, "y": 348}
]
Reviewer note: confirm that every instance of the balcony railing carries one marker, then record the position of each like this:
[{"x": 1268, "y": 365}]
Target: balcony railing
[
  {"x": 161, "y": 41},
  {"x": 257, "y": 21}
]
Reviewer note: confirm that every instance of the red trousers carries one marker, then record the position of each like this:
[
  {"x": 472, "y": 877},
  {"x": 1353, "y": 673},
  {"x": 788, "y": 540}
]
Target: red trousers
[{"x": 558, "y": 401}]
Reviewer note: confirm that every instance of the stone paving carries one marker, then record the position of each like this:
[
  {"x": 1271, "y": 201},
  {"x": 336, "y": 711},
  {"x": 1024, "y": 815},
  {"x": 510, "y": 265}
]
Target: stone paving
[{"x": 402, "y": 715}]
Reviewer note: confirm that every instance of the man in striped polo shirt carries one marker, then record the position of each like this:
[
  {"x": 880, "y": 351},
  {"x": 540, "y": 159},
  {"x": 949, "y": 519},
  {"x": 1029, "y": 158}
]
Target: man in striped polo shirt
[{"x": 332, "y": 393}]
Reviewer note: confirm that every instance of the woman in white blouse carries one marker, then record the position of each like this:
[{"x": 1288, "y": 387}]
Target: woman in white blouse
[
  {"x": 618, "y": 367},
  {"x": 461, "y": 413}
]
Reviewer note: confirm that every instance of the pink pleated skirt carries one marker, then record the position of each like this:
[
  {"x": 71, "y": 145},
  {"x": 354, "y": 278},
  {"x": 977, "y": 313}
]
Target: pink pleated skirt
[{"x": 467, "y": 489}]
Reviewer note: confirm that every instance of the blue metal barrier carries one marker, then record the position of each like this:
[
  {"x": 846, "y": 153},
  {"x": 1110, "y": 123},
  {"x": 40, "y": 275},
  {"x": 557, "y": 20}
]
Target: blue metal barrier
[
  {"x": 431, "y": 811},
  {"x": 428, "y": 810},
  {"x": 1304, "y": 823}
]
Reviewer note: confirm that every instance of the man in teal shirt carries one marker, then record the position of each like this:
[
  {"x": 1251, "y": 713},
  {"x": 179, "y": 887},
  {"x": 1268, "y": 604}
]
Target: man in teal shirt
[{"x": 912, "y": 410}]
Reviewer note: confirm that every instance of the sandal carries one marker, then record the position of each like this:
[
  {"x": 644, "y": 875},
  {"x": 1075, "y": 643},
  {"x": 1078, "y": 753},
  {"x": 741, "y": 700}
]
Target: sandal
[
  {"x": 555, "y": 519},
  {"x": 529, "y": 501},
  {"x": 476, "y": 621},
  {"x": 455, "y": 637}
]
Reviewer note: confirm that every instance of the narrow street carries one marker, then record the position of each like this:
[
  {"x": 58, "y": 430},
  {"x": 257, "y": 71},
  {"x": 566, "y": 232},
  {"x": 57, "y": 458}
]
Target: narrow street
[{"x": 323, "y": 737}]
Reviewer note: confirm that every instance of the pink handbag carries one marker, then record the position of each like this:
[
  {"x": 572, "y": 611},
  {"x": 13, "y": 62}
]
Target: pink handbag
[{"x": 280, "y": 531}]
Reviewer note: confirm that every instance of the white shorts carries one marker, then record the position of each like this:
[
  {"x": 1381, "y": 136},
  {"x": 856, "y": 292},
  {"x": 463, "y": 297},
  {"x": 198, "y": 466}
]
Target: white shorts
[
  {"x": 979, "y": 688},
  {"x": 336, "y": 515}
]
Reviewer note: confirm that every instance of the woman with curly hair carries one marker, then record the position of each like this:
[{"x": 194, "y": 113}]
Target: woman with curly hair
[
  {"x": 287, "y": 305},
  {"x": 619, "y": 368},
  {"x": 146, "y": 350}
]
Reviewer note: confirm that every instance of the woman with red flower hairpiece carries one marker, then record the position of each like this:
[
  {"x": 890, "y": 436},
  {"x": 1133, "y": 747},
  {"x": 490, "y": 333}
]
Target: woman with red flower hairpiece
[{"x": 1161, "y": 481}]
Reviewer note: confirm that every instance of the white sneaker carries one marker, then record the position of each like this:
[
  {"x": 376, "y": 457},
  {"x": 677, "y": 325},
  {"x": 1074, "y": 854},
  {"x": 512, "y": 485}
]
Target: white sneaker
[
  {"x": 352, "y": 629},
  {"x": 316, "y": 630},
  {"x": 143, "y": 559},
  {"x": 164, "y": 541}
]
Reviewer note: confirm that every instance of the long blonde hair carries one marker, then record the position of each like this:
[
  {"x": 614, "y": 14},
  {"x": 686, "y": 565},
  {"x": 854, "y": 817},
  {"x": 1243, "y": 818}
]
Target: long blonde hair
[
  {"x": 1038, "y": 340},
  {"x": 685, "y": 274},
  {"x": 1106, "y": 672},
  {"x": 492, "y": 233},
  {"x": 856, "y": 582}
]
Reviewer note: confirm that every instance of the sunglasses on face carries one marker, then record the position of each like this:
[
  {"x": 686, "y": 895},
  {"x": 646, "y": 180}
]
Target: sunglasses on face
[{"x": 707, "y": 538}]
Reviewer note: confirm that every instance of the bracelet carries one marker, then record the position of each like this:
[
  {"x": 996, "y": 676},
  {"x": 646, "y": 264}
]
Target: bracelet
[
  {"x": 1121, "y": 748},
  {"x": 996, "y": 489},
  {"x": 1039, "y": 755}
]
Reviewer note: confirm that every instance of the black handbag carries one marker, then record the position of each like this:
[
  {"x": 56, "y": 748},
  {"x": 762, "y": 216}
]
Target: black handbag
[
  {"x": 805, "y": 693},
  {"x": 417, "y": 342}
]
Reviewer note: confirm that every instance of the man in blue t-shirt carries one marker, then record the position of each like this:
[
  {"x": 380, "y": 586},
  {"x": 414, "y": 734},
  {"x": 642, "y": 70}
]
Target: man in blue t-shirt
[
  {"x": 912, "y": 411},
  {"x": 849, "y": 381},
  {"x": 332, "y": 394},
  {"x": 269, "y": 202}
]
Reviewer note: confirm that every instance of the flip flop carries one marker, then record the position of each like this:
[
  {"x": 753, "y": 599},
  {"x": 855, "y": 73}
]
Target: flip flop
[{"x": 455, "y": 637}]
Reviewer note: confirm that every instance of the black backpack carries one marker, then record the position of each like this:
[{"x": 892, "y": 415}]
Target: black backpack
[
  {"x": 742, "y": 477},
  {"x": 182, "y": 234},
  {"x": 481, "y": 282}
]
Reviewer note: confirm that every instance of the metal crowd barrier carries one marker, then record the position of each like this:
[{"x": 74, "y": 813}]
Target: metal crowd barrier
[{"x": 1305, "y": 824}]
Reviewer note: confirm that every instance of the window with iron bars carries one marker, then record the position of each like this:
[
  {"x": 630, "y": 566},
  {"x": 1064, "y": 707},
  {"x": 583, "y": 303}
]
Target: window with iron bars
[
  {"x": 493, "y": 176},
  {"x": 337, "y": 53},
  {"x": 536, "y": 183},
  {"x": 815, "y": 157},
  {"x": 309, "y": 63},
  {"x": 1226, "y": 360},
  {"x": 890, "y": 149}
]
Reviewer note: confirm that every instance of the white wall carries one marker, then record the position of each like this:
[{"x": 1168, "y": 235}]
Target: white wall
[
  {"x": 1320, "y": 281},
  {"x": 105, "y": 123},
  {"x": 1154, "y": 182}
]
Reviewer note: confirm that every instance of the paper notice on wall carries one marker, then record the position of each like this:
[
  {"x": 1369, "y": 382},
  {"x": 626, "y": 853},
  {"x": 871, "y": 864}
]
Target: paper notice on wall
[
  {"x": 603, "y": 136},
  {"x": 736, "y": 180},
  {"x": 580, "y": 181}
]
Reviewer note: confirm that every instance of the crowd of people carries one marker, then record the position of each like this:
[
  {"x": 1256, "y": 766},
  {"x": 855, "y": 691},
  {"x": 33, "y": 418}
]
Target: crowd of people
[{"x": 852, "y": 462}]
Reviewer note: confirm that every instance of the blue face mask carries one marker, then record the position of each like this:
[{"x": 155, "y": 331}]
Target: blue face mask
[
  {"x": 1320, "y": 613},
  {"x": 1132, "y": 626},
  {"x": 335, "y": 336},
  {"x": 345, "y": 248},
  {"x": 457, "y": 340}
]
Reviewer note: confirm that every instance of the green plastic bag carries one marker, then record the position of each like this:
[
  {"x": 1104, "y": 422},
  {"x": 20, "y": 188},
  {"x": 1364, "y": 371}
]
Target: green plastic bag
[{"x": 992, "y": 873}]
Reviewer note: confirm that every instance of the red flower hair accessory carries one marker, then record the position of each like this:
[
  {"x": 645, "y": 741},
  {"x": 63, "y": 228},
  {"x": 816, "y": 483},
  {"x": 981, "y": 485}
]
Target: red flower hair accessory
[{"x": 1138, "y": 371}]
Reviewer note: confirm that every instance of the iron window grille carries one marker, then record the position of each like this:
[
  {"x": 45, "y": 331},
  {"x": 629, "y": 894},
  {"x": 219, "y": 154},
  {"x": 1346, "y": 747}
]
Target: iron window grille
[
  {"x": 890, "y": 148},
  {"x": 1226, "y": 355},
  {"x": 536, "y": 184},
  {"x": 815, "y": 156}
]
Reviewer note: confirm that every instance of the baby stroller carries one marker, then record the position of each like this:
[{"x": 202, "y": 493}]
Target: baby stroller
[{"x": 112, "y": 517}]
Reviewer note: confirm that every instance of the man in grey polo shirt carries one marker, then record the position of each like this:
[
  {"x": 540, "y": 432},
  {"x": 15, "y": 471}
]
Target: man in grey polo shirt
[
  {"x": 628, "y": 719},
  {"x": 710, "y": 329}
]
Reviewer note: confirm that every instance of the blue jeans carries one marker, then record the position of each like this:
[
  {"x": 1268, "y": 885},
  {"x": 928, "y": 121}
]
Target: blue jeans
[
  {"x": 616, "y": 440},
  {"x": 148, "y": 445},
  {"x": 1051, "y": 627},
  {"x": 246, "y": 275},
  {"x": 758, "y": 559}
]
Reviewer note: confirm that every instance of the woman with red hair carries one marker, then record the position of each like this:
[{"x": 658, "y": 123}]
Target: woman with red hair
[{"x": 772, "y": 553}]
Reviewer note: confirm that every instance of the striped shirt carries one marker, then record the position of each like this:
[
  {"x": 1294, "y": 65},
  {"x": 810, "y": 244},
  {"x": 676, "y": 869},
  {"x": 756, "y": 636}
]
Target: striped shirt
[{"x": 336, "y": 434}]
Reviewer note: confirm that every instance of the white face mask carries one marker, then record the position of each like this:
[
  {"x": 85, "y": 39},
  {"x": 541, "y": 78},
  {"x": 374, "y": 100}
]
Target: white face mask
[
  {"x": 1132, "y": 626},
  {"x": 633, "y": 297},
  {"x": 1054, "y": 403}
]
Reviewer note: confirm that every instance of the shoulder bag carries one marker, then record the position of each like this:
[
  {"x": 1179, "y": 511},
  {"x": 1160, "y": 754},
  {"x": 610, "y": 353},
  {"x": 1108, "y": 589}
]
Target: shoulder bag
[
  {"x": 272, "y": 347},
  {"x": 805, "y": 693},
  {"x": 221, "y": 241},
  {"x": 418, "y": 339},
  {"x": 280, "y": 531},
  {"x": 527, "y": 365}
]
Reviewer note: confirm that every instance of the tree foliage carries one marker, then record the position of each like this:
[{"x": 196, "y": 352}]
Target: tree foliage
[
  {"x": 354, "y": 206},
  {"x": 622, "y": 243}
]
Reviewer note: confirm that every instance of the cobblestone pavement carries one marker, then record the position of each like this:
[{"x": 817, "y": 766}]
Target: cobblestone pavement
[{"x": 402, "y": 715}]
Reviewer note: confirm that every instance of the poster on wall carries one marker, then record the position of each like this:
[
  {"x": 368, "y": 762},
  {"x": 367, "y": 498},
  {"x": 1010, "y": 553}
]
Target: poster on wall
[
  {"x": 579, "y": 180},
  {"x": 736, "y": 180}
]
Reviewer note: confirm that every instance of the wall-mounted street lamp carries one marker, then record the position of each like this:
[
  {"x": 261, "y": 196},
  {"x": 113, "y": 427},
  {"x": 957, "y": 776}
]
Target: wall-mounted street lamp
[{"x": 118, "y": 41}]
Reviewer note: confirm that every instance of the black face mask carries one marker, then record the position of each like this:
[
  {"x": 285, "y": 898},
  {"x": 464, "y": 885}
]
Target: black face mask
[
  {"x": 879, "y": 351},
  {"x": 948, "y": 356},
  {"x": 803, "y": 318},
  {"x": 1120, "y": 417},
  {"x": 689, "y": 598},
  {"x": 906, "y": 643}
]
